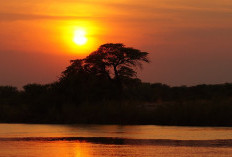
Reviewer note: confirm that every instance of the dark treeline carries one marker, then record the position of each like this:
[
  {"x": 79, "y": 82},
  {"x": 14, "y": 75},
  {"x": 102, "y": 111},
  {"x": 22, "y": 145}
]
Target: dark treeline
[{"x": 103, "y": 89}]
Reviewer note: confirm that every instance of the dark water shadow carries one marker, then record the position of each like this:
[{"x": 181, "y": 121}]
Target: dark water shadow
[{"x": 124, "y": 141}]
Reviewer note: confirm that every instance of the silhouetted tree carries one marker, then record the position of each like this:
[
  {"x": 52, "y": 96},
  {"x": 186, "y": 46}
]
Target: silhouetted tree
[
  {"x": 113, "y": 61},
  {"x": 116, "y": 61},
  {"x": 105, "y": 69}
]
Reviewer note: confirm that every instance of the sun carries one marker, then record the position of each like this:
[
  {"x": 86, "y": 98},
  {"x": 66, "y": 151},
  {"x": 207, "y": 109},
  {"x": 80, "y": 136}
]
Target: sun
[{"x": 80, "y": 37}]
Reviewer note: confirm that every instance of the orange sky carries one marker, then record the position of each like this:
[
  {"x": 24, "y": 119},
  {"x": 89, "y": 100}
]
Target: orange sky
[{"x": 189, "y": 41}]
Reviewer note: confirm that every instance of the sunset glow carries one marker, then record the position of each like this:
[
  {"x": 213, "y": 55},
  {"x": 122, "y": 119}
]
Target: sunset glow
[
  {"x": 179, "y": 34},
  {"x": 106, "y": 78},
  {"x": 80, "y": 37}
]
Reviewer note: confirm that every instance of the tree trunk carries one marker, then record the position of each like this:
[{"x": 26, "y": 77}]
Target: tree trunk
[
  {"x": 116, "y": 77},
  {"x": 118, "y": 84}
]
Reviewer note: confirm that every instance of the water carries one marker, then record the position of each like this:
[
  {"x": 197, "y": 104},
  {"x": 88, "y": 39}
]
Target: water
[{"x": 30, "y": 140}]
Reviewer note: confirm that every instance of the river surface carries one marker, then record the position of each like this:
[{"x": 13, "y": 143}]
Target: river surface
[{"x": 32, "y": 140}]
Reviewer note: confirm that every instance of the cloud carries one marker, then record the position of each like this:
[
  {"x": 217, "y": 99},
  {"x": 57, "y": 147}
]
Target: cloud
[
  {"x": 129, "y": 12},
  {"x": 17, "y": 17},
  {"x": 8, "y": 17},
  {"x": 153, "y": 8}
]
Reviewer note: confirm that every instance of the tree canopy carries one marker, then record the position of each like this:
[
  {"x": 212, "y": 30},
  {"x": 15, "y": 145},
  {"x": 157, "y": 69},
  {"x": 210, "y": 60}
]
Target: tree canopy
[{"x": 110, "y": 61}]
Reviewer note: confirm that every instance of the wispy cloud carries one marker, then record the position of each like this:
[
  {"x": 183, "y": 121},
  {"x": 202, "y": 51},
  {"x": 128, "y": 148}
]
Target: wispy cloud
[
  {"x": 8, "y": 17},
  {"x": 17, "y": 17}
]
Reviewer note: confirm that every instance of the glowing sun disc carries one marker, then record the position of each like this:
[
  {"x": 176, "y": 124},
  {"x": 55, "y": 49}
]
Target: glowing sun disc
[
  {"x": 79, "y": 37},
  {"x": 80, "y": 40}
]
